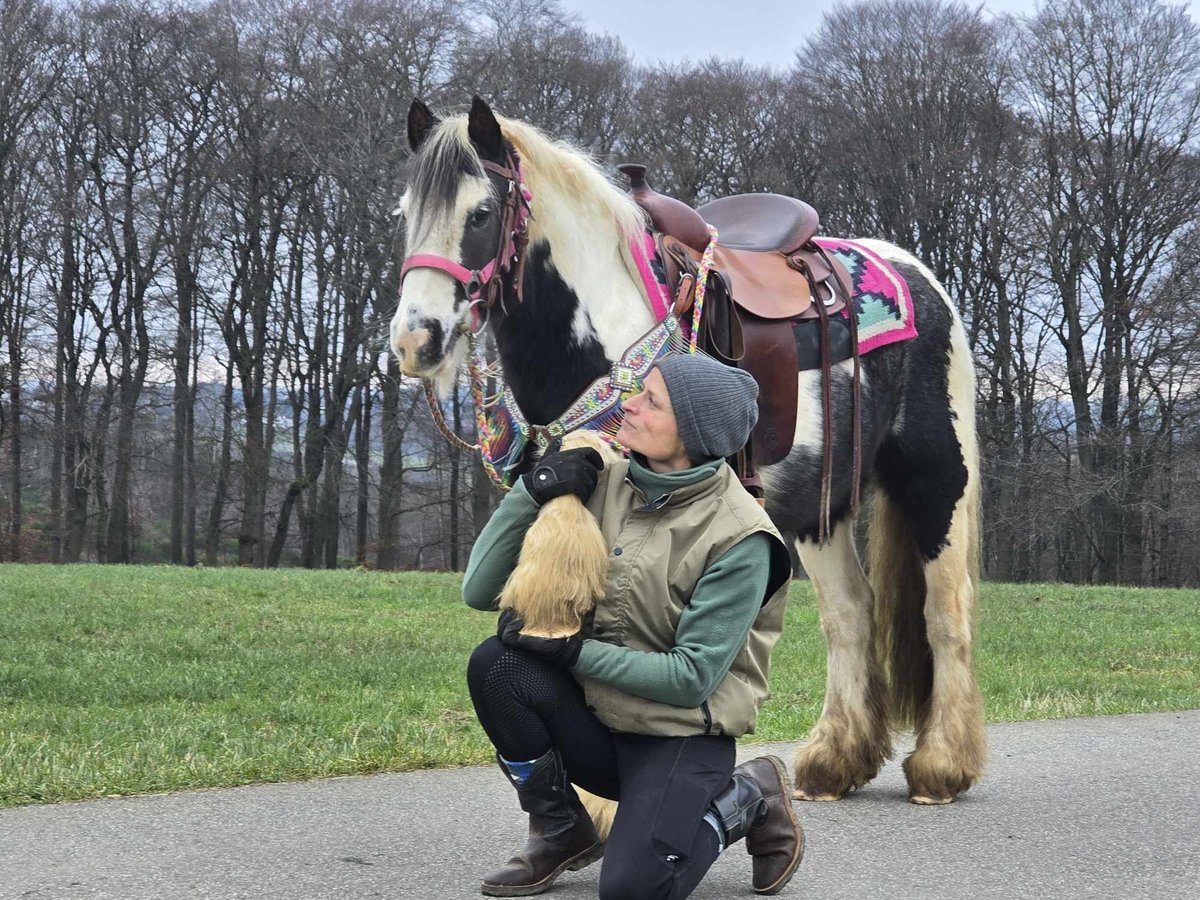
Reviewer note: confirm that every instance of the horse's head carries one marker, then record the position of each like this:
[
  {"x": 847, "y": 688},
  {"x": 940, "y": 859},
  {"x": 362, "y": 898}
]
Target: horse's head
[{"x": 456, "y": 208}]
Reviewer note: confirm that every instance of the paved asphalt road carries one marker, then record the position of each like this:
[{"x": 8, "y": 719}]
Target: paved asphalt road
[{"x": 1072, "y": 808}]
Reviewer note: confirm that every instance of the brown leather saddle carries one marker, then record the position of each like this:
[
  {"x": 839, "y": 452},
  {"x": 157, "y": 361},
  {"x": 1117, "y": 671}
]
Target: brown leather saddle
[{"x": 767, "y": 273}]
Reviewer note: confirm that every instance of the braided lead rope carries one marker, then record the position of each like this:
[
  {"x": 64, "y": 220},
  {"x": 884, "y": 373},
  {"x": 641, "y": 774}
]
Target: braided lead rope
[
  {"x": 706, "y": 263},
  {"x": 435, "y": 409},
  {"x": 435, "y": 406}
]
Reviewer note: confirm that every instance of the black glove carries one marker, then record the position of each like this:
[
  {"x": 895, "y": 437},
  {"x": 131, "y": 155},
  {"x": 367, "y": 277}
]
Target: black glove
[
  {"x": 562, "y": 651},
  {"x": 566, "y": 472}
]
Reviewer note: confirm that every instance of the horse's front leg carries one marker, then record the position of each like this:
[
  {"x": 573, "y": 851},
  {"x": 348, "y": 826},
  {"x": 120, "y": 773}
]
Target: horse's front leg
[{"x": 851, "y": 739}]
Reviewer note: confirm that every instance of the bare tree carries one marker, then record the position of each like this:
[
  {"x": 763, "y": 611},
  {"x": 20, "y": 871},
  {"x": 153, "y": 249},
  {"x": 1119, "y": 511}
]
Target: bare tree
[
  {"x": 1114, "y": 87},
  {"x": 707, "y": 130},
  {"x": 538, "y": 64},
  {"x": 28, "y": 68},
  {"x": 187, "y": 98},
  {"x": 198, "y": 259}
]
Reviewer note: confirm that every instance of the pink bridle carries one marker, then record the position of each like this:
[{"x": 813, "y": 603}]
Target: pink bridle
[{"x": 483, "y": 285}]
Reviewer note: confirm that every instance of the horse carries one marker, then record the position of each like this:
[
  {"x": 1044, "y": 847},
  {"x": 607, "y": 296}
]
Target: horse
[{"x": 899, "y": 642}]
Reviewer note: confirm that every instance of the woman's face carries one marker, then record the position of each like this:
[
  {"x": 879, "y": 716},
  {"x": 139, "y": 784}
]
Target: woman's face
[{"x": 649, "y": 427}]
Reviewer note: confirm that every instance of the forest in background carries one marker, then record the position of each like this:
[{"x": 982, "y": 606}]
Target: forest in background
[{"x": 199, "y": 256}]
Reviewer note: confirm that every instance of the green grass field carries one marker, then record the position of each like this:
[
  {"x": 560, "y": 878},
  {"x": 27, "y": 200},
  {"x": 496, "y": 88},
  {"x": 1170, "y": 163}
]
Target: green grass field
[{"x": 121, "y": 680}]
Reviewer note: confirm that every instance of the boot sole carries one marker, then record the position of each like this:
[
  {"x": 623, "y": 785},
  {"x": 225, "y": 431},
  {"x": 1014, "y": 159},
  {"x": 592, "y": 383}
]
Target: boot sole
[
  {"x": 782, "y": 881},
  {"x": 585, "y": 859},
  {"x": 579, "y": 861}
]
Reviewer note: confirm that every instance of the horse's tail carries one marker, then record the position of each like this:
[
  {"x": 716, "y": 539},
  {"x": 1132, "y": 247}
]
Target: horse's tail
[
  {"x": 898, "y": 583},
  {"x": 974, "y": 508},
  {"x": 601, "y": 810}
]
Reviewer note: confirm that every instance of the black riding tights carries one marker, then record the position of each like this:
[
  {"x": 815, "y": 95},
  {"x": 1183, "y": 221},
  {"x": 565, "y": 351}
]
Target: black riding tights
[
  {"x": 660, "y": 847},
  {"x": 527, "y": 706}
]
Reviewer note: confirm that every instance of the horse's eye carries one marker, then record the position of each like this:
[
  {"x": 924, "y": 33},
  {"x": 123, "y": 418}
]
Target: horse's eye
[{"x": 480, "y": 216}]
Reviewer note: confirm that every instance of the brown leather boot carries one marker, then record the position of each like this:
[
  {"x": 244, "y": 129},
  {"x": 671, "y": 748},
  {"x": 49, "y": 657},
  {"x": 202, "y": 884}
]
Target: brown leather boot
[
  {"x": 561, "y": 833},
  {"x": 757, "y": 805}
]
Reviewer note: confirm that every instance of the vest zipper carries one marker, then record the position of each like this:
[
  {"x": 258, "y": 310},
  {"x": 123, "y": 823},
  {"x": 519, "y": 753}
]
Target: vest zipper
[{"x": 707, "y": 717}]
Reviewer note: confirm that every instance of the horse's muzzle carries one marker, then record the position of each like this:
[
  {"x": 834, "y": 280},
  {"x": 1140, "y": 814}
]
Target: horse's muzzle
[{"x": 419, "y": 345}]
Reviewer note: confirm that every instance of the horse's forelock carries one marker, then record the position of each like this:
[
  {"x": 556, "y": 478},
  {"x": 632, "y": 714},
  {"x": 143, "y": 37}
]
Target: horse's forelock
[{"x": 436, "y": 175}]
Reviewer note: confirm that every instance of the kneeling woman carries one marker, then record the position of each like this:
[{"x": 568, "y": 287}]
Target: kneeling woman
[{"x": 646, "y": 709}]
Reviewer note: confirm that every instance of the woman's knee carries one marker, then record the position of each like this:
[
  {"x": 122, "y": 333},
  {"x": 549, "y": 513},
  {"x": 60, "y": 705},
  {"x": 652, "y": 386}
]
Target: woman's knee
[
  {"x": 637, "y": 882},
  {"x": 483, "y": 658}
]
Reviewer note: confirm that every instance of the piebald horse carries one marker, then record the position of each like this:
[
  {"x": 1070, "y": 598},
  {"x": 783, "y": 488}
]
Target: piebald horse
[{"x": 899, "y": 643}]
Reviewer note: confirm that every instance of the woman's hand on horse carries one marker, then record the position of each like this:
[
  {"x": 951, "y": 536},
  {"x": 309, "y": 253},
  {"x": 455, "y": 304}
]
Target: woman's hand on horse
[
  {"x": 561, "y": 651},
  {"x": 566, "y": 472}
]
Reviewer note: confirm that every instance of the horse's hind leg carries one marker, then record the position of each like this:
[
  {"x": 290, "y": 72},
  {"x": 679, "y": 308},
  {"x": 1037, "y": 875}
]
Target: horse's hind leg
[
  {"x": 924, "y": 567},
  {"x": 851, "y": 739},
  {"x": 951, "y": 746}
]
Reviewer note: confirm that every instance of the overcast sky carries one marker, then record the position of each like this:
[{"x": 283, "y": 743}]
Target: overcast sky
[{"x": 761, "y": 31}]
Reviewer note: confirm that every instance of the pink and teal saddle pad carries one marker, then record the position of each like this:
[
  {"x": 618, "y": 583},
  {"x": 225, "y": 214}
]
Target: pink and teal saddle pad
[{"x": 881, "y": 298}]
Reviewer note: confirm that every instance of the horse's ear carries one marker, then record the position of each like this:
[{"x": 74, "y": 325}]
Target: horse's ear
[
  {"x": 420, "y": 123},
  {"x": 484, "y": 130}
]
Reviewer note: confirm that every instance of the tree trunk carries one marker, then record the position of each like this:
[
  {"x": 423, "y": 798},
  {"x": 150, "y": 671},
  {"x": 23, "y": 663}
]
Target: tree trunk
[
  {"x": 391, "y": 471},
  {"x": 119, "y": 541},
  {"x": 56, "y": 468},
  {"x": 314, "y": 463},
  {"x": 99, "y": 478},
  {"x": 212, "y": 532},
  {"x": 254, "y": 482},
  {"x": 362, "y": 459},
  {"x": 15, "y": 439},
  {"x": 189, "y": 482},
  {"x": 331, "y": 502},
  {"x": 182, "y": 399}
]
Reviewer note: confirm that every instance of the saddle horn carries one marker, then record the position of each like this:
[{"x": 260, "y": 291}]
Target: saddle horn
[{"x": 667, "y": 215}]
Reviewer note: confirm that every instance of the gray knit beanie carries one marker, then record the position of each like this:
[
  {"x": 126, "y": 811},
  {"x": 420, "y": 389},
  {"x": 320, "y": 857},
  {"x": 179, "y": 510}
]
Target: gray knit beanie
[{"x": 715, "y": 405}]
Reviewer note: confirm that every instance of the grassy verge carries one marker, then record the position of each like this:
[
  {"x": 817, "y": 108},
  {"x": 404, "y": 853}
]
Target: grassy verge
[{"x": 118, "y": 680}]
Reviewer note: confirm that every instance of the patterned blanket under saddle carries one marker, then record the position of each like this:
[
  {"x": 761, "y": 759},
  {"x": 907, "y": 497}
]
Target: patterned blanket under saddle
[{"x": 881, "y": 301}]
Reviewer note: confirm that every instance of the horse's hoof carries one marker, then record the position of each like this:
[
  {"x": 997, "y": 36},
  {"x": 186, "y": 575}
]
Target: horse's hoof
[
  {"x": 936, "y": 775},
  {"x": 814, "y": 796},
  {"x": 823, "y": 774},
  {"x": 926, "y": 800}
]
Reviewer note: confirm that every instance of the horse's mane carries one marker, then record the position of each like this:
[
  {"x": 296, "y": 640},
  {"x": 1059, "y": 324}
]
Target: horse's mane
[
  {"x": 571, "y": 176},
  {"x": 556, "y": 172}
]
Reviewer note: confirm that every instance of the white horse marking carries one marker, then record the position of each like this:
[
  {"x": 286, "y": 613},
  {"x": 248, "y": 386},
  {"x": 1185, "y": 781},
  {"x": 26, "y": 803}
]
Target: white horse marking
[
  {"x": 591, "y": 264},
  {"x": 430, "y": 294},
  {"x": 809, "y": 416}
]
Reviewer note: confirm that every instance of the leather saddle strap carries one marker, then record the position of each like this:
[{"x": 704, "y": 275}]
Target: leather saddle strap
[
  {"x": 826, "y": 414},
  {"x": 856, "y": 402}
]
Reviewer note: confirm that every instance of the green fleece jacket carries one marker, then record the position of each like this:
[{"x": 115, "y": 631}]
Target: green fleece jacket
[{"x": 711, "y": 632}]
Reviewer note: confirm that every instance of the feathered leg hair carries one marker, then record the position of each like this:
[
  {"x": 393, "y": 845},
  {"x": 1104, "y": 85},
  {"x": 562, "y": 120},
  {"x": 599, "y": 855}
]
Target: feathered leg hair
[{"x": 562, "y": 569}]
